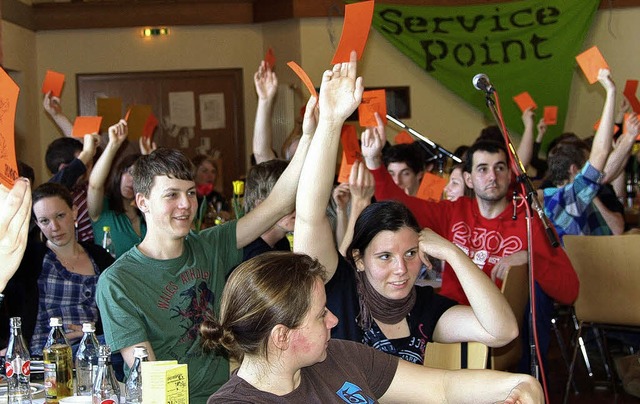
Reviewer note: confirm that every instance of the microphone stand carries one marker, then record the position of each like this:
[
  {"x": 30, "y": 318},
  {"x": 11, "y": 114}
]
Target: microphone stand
[{"x": 533, "y": 203}]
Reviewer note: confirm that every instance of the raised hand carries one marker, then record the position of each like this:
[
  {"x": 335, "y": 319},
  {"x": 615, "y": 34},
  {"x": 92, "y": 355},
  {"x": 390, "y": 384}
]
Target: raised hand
[
  {"x": 340, "y": 91},
  {"x": 15, "y": 212},
  {"x": 118, "y": 132},
  {"x": 310, "y": 120},
  {"x": 433, "y": 245},
  {"x": 604, "y": 77},
  {"x": 146, "y": 145},
  {"x": 361, "y": 183},
  {"x": 371, "y": 143},
  {"x": 51, "y": 104},
  {"x": 341, "y": 196},
  {"x": 266, "y": 82},
  {"x": 527, "y": 117}
]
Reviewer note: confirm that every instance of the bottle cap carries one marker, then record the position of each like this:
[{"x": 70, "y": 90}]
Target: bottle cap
[
  {"x": 15, "y": 322},
  {"x": 106, "y": 228},
  {"x": 88, "y": 327},
  {"x": 140, "y": 352},
  {"x": 55, "y": 322}
]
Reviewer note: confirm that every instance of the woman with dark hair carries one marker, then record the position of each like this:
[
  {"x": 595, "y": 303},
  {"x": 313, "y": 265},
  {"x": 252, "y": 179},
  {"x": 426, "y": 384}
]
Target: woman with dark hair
[
  {"x": 206, "y": 176},
  {"x": 274, "y": 320},
  {"x": 56, "y": 278},
  {"x": 114, "y": 206}
]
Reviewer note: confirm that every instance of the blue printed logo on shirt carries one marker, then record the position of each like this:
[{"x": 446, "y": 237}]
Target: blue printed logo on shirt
[{"x": 353, "y": 394}]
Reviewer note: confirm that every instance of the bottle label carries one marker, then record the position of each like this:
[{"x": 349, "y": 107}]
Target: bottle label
[
  {"x": 50, "y": 384},
  {"x": 8, "y": 369},
  {"x": 17, "y": 365},
  {"x": 108, "y": 401}
]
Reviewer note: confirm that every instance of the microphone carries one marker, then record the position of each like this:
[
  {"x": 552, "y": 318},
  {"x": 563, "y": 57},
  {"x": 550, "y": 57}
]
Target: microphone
[{"x": 481, "y": 82}]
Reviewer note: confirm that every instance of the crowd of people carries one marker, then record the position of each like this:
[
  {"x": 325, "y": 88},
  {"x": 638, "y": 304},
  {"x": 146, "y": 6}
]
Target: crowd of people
[{"x": 337, "y": 312}]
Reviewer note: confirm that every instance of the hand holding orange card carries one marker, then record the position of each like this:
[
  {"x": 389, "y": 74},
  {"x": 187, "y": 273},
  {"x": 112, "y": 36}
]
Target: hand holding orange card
[
  {"x": 525, "y": 101},
  {"x": 431, "y": 187},
  {"x": 550, "y": 115},
  {"x": 304, "y": 77},
  {"x": 86, "y": 125},
  {"x": 630, "y": 89},
  {"x": 355, "y": 30},
  {"x": 53, "y": 81},
  {"x": 372, "y": 101},
  {"x": 270, "y": 59},
  {"x": 350, "y": 151},
  {"x": 150, "y": 126},
  {"x": 403, "y": 138},
  {"x": 136, "y": 119},
  {"x": 591, "y": 61},
  {"x": 8, "y": 100}
]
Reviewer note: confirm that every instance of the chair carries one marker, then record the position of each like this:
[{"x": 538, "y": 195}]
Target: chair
[
  {"x": 515, "y": 288},
  {"x": 461, "y": 355},
  {"x": 609, "y": 271}
]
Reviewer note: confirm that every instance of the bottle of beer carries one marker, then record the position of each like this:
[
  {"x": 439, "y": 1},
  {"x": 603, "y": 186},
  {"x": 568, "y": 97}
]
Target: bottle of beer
[
  {"x": 105, "y": 385},
  {"x": 58, "y": 363},
  {"x": 106, "y": 241},
  {"x": 17, "y": 365},
  {"x": 86, "y": 360},
  {"x": 133, "y": 385}
]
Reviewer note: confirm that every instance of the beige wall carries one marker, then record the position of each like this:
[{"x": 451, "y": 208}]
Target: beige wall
[{"x": 436, "y": 112}]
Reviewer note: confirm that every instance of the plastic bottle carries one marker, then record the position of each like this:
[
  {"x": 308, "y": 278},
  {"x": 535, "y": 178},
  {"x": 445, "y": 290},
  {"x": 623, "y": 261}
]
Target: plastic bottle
[
  {"x": 133, "y": 385},
  {"x": 58, "y": 363},
  {"x": 106, "y": 241},
  {"x": 86, "y": 360},
  {"x": 17, "y": 365},
  {"x": 105, "y": 385}
]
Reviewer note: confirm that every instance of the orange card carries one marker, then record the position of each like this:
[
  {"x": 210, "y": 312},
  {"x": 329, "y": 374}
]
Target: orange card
[
  {"x": 110, "y": 109},
  {"x": 345, "y": 169},
  {"x": 304, "y": 77},
  {"x": 630, "y": 89},
  {"x": 8, "y": 100},
  {"x": 350, "y": 145},
  {"x": 591, "y": 61},
  {"x": 53, "y": 81},
  {"x": 355, "y": 30},
  {"x": 136, "y": 120},
  {"x": 86, "y": 125},
  {"x": 372, "y": 101},
  {"x": 551, "y": 115},
  {"x": 524, "y": 101},
  {"x": 270, "y": 59},
  {"x": 403, "y": 138},
  {"x": 150, "y": 126},
  {"x": 597, "y": 125},
  {"x": 431, "y": 187}
]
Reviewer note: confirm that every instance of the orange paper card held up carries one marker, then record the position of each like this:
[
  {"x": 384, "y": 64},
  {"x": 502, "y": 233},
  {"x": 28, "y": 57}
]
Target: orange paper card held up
[
  {"x": 350, "y": 145},
  {"x": 630, "y": 89},
  {"x": 551, "y": 115},
  {"x": 86, "y": 125},
  {"x": 355, "y": 30},
  {"x": 403, "y": 138},
  {"x": 525, "y": 101},
  {"x": 345, "y": 169},
  {"x": 110, "y": 109},
  {"x": 597, "y": 125},
  {"x": 591, "y": 61},
  {"x": 372, "y": 101},
  {"x": 8, "y": 100},
  {"x": 53, "y": 81},
  {"x": 304, "y": 77},
  {"x": 150, "y": 126},
  {"x": 136, "y": 119},
  {"x": 431, "y": 187},
  {"x": 270, "y": 59}
]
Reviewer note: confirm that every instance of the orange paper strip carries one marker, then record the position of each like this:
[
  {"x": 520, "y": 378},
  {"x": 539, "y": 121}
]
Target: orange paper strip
[
  {"x": 431, "y": 187},
  {"x": 8, "y": 100},
  {"x": 550, "y": 115},
  {"x": 345, "y": 169},
  {"x": 270, "y": 59},
  {"x": 372, "y": 101},
  {"x": 304, "y": 77},
  {"x": 597, "y": 125},
  {"x": 591, "y": 61},
  {"x": 355, "y": 30},
  {"x": 630, "y": 89},
  {"x": 136, "y": 119},
  {"x": 150, "y": 126},
  {"x": 53, "y": 81},
  {"x": 524, "y": 101},
  {"x": 86, "y": 125},
  {"x": 350, "y": 145},
  {"x": 403, "y": 138}
]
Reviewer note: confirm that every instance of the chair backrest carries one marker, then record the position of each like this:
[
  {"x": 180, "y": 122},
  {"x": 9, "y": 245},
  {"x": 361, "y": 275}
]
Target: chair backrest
[
  {"x": 515, "y": 288},
  {"x": 609, "y": 271},
  {"x": 449, "y": 356}
]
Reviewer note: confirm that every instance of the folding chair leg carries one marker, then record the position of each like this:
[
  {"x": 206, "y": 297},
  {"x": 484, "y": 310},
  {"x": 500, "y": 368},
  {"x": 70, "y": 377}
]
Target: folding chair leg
[
  {"x": 599, "y": 342},
  {"x": 563, "y": 349},
  {"x": 573, "y": 363},
  {"x": 583, "y": 349}
]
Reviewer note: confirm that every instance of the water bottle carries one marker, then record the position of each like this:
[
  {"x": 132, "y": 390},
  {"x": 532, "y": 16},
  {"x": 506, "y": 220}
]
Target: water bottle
[
  {"x": 86, "y": 360},
  {"x": 105, "y": 385},
  {"x": 58, "y": 363},
  {"x": 106, "y": 241},
  {"x": 17, "y": 365},
  {"x": 133, "y": 385}
]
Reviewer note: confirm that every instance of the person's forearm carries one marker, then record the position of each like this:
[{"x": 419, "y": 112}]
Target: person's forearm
[
  {"x": 614, "y": 220},
  {"x": 97, "y": 180},
  {"x": 342, "y": 220},
  {"x": 63, "y": 123},
  {"x": 525, "y": 149},
  {"x": 604, "y": 135},
  {"x": 262, "y": 132},
  {"x": 617, "y": 160},
  {"x": 357, "y": 206}
]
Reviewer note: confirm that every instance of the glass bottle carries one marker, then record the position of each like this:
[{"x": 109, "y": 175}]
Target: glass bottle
[
  {"x": 86, "y": 360},
  {"x": 105, "y": 385},
  {"x": 58, "y": 363},
  {"x": 17, "y": 365},
  {"x": 107, "y": 242},
  {"x": 133, "y": 385}
]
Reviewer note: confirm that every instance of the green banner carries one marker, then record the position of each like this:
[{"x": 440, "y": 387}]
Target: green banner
[{"x": 525, "y": 45}]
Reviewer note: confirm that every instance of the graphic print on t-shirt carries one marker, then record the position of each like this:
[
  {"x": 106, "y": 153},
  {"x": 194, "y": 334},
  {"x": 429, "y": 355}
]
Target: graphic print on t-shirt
[
  {"x": 482, "y": 245},
  {"x": 353, "y": 394}
]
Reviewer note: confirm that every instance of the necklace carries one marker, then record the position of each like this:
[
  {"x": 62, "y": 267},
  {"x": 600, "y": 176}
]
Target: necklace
[{"x": 69, "y": 262}]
